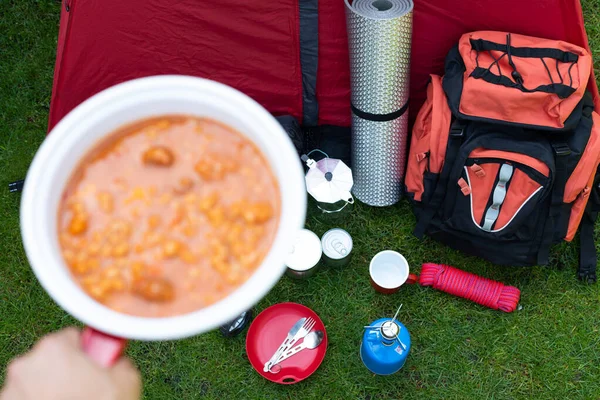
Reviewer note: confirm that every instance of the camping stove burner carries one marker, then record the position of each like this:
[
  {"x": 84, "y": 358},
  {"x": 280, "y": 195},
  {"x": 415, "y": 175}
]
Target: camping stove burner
[{"x": 389, "y": 330}]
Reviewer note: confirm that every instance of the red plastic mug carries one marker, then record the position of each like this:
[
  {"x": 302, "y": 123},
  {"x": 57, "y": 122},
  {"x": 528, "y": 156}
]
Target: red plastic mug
[{"x": 389, "y": 270}]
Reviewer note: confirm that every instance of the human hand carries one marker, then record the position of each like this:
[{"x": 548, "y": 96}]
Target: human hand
[{"x": 58, "y": 369}]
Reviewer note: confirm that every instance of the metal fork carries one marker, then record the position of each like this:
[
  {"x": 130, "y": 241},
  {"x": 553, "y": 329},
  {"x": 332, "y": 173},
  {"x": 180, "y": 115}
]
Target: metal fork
[
  {"x": 306, "y": 328},
  {"x": 286, "y": 345}
]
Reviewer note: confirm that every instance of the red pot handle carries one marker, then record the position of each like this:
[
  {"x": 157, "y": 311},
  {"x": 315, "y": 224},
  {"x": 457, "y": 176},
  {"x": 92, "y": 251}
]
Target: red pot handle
[
  {"x": 412, "y": 279},
  {"x": 102, "y": 348}
]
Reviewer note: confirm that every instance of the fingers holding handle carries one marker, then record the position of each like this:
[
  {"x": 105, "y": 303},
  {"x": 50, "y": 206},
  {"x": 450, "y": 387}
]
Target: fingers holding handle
[{"x": 102, "y": 348}]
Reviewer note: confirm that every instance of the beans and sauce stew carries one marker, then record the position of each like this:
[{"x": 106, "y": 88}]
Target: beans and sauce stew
[{"x": 168, "y": 215}]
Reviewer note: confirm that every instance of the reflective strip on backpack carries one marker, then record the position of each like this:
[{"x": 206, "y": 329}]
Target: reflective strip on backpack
[{"x": 499, "y": 195}]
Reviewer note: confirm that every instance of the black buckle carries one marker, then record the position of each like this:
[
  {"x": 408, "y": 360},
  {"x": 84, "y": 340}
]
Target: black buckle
[
  {"x": 457, "y": 130},
  {"x": 457, "y": 133},
  {"x": 561, "y": 149}
]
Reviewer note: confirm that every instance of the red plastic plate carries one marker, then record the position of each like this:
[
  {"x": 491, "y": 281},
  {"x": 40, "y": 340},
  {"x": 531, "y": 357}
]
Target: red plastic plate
[{"x": 269, "y": 329}]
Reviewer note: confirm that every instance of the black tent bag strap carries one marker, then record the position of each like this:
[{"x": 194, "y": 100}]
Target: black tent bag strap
[{"x": 308, "y": 13}]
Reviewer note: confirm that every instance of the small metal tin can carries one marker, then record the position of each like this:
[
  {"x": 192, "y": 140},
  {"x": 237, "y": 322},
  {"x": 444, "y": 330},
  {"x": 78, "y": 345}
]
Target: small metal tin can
[
  {"x": 337, "y": 247},
  {"x": 304, "y": 255}
]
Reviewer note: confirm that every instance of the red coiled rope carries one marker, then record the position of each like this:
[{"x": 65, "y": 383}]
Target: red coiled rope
[{"x": 463, "y": 284}]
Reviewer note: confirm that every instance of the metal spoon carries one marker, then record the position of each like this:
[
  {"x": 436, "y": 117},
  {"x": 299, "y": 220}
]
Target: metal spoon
[{"x": 311, "y": 341}]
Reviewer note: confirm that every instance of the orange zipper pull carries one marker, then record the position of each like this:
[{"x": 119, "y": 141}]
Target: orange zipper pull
[
  {"x": 422, "y": 156},
  {"x": 464, "y": 187},
  {"x": 586, "y": 191},
  {"x": 477, "y": 170}
]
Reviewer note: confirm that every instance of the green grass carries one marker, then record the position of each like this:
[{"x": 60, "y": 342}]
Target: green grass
[{"x": 549, "y": 349}]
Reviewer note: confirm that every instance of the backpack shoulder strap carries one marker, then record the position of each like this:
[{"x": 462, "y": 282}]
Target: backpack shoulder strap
[
  {"x": 561, "y": 152},
  {"x": 455, "y": 139}
]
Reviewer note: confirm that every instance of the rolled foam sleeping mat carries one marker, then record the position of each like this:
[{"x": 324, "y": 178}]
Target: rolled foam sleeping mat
[{"x": 379, "y": 41}]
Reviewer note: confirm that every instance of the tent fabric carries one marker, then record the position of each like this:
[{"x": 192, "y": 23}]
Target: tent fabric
[
  {"x": 252, "y": 46},
  {"x": 333, "y": 74},
  {"x": 257, "y": 47}
]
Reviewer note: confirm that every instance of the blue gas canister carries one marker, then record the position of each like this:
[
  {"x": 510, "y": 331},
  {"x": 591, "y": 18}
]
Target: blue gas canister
[{"x": 385, "y": 346}]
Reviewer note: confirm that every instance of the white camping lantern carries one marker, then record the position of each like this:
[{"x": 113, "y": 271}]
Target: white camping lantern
[{"x": 329, "y": 181}]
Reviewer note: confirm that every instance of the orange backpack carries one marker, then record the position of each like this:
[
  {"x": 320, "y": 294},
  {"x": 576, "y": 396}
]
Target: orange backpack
[{"x": 504, "y": 154}]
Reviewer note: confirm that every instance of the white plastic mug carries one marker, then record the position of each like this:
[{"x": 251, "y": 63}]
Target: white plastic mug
[
  {"x": 100, "y": 115},
  {"x": 389, "y": 270}
]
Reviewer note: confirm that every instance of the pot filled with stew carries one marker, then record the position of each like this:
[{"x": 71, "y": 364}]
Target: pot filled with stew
[{"x": 162, "y": 207}]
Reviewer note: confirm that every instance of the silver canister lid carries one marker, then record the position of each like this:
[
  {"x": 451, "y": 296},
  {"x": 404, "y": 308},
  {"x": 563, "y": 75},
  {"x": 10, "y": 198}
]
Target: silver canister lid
[
  {"x": 336, "y": 243},
  {"x": 305, "y": 252}
]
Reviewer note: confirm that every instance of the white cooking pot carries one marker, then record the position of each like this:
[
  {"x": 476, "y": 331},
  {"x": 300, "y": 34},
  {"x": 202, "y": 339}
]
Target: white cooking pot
[{"x": 122, "y": 104}]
